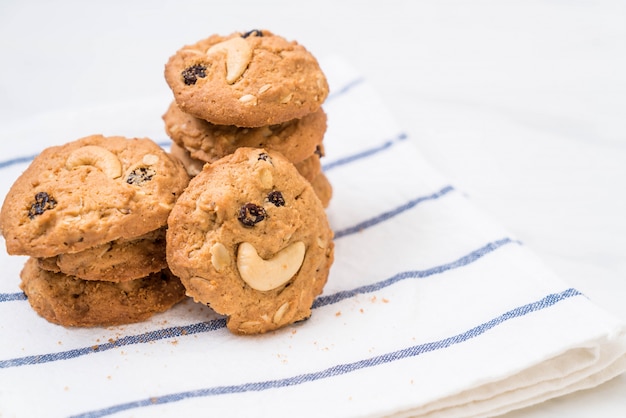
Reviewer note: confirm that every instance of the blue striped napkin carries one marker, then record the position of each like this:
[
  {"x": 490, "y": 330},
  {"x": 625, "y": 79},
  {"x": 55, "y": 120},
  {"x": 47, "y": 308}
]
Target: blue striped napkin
[{"x": 431, "y": 309}]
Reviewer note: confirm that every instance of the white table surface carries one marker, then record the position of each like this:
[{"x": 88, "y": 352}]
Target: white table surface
[{"x": 521, "y": 104}]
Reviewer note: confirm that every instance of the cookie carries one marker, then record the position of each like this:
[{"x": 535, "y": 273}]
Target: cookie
[
  {"x": 323, "y": 189},
  {"x": 297, "y": 139},
  {"x": 69, "y": 301},
  {"x": 192, "y": 165},
  {"x": 89, "y": 192},
  {"x": 250, "y": 238},
  {"x": 116, "y": 261},
  {"x": 308, "y": 168},
  {"x": 249, "y": 79}
]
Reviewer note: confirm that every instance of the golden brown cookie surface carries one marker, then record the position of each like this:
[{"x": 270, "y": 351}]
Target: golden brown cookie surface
[
  {"x": 89, "y": 192},
  {"x": 69, "y": 301},
  {"x": 297, "y": 139},
  {"x": 250, "y": 238},
  {"x": 308, "y": 168},
  {"x": 116, "y": 261},
  {"x": 323, "y": 188},
  {"x": 246, "y": 79}
]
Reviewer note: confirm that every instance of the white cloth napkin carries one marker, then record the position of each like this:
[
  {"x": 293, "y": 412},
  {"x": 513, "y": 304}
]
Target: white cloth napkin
[{"x": 430, "y": 309}]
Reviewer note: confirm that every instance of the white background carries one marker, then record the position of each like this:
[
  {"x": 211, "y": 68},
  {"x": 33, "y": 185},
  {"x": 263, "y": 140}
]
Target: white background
[{"x": 521, "y": 104}]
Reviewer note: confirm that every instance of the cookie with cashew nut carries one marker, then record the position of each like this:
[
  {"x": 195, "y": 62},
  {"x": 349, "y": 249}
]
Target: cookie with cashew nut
[
  {"x": 69, "y": 301},
  {"x": 90, "y": 192},
  {"x": 250, "y": 238},
  {"x": 248, "y": 79},
  {"x": 297, "y": 139}
]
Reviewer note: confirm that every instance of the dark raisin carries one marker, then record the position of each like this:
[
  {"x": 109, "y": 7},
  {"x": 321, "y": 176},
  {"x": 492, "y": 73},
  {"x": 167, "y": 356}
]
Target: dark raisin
[
  {"x": 251, "y": 214},
  {"x": 43, "y": 202},
  {"x": 275, "y": 197},
  {"x": 140, "y": 175},
  {"x": 255, "y": 32},
  {"x": 319, "y": 151},
  {"x": 191, "y": 74},
  {"x": 263, "y": 156}
]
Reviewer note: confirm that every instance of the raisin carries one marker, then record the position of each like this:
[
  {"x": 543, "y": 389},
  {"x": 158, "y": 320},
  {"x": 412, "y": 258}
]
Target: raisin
[
  {"x": 43, "y": 202},
  {"x": 263, "y": 156},
  {"x": 191, "y": 74},
  {"x": 255, "y": 32},
  {"x": 319, "y": 151},
  {"x": 140, "y": 175},
  {"x": 251, "y": 214},
  {"x": 275, "y": 197}
]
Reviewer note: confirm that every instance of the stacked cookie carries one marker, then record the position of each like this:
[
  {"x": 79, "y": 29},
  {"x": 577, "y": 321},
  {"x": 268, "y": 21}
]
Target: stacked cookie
[
  {"x": 253, "y": 89},
  {"x": 249, "y": 236},
  {"x": 116, "y": 231},
  {"x": 91, "y": 214}
]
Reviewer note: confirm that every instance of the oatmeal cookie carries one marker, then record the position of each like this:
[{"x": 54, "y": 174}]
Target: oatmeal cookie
[
  {"x": 72, "y": 302},
  {"x": 115, "y": 261},
  {"x": 250, "y": 238},
  {"x": 89, "y": 192},
  {"x": 248, "y": 79},
  {"x": 297, "y": 139}
]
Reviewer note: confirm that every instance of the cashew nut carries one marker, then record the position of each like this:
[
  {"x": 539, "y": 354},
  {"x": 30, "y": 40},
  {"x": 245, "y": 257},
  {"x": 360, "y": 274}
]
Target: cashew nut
[
  {"x": 220, "y": 257},
  {"x": 98, "y": 157},
  {"x": 265, "y": 275},
  {"x": 238, "y": 56}
]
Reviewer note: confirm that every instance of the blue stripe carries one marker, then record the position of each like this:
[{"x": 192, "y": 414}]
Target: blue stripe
[
  {"x": 343, "y": 90},
  {"x": 341, "y": 369},
  {"x": 121, "y": 342},
  {"x": 18, "y": 160},
  {"x": 412, "y": 274},
  {"x": 8, "y": 297},
  {"x": 390, "y": 214},
  {"x": 164, "y": 144},
  {"x": 363, "y": 154},
  {"x": 218, "y": 324}
]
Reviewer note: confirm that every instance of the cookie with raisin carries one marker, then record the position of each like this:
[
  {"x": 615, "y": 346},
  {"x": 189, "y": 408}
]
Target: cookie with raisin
[
  {"x": 309, "y": 168},
  {"x": 250, "y": 238},
  {"x": 90, "y": 192},
  {"x": 73, "y": 302},
  {"x": 248, "y": 79},
  {"x": 116, "y": 261},
  {"x": 297, "y": 139}
]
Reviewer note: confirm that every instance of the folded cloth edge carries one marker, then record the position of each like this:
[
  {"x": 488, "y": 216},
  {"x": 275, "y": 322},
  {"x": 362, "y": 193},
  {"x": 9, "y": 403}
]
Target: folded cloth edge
[{"x": 578, "y": 368}]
